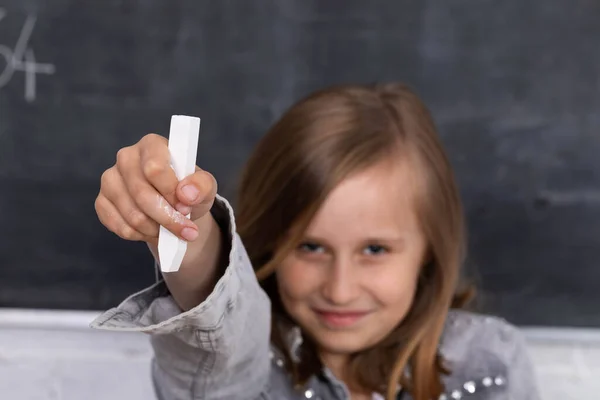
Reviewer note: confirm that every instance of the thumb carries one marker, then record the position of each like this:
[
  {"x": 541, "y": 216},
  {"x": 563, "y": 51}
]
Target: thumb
[{"x": 196, "y": 194}]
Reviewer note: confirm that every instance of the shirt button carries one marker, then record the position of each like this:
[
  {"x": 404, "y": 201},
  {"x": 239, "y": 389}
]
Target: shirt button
[{"x": 470, "y": 387}]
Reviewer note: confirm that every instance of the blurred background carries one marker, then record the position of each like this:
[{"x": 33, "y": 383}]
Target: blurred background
[{"x": 514, "y": 87}]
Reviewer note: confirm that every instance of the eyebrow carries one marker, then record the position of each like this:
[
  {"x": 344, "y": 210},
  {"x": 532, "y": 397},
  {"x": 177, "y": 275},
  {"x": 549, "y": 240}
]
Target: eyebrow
[
  {"x": 388, "y": 239},
  {"x": 391, "y": 239}
]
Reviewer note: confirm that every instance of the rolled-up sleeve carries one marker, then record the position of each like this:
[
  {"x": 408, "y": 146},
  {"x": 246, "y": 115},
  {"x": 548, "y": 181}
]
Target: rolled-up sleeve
[{"x": 217, "y": 350}]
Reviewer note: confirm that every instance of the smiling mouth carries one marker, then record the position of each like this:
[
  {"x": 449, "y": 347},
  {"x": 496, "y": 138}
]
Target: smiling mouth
[{"x": 337, "y": 320}]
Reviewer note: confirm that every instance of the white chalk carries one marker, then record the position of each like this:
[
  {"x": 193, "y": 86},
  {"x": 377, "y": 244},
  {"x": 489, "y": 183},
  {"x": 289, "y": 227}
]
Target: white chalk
[{"x": 183, "y": 146}]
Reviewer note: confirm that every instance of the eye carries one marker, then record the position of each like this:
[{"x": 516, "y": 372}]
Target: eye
[
  {"x": 311, "y": 247},
  {"x": 375, "y": 250}
]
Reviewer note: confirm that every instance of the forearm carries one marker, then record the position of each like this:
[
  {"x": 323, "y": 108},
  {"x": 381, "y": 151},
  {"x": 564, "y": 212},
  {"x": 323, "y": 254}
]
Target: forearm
[
  {"x": 202, "y": 266},
  {"x": 216, "y": 350}
]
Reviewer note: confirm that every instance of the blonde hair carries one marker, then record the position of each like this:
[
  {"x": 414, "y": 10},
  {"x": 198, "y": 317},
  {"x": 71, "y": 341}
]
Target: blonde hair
[{"x": 317, "y": 143}]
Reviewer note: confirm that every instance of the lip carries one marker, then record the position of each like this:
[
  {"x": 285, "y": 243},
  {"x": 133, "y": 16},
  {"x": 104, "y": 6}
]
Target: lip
[{"x": 340, "y": 319}]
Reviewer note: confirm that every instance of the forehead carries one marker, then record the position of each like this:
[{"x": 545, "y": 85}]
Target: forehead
[{"x": 380, "y": 198}]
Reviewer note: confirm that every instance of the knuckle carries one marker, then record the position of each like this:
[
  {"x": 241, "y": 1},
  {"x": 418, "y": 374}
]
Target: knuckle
[
  {"x": 98, "y": 205},
  {"x": 154, "y": 168},
  {"x": 123, "y": 155},
  {"x": 105, "y": 216},
  {"x": 126, "y": 232},
  {"x": 137, "y": 219},
  {"x": 103, "y": 213},
  {"x": 105, "y": 178},
  {"x": 100, "y": 213}
]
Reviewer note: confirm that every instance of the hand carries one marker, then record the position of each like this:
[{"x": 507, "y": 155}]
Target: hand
[{"x": 141, "y": 192}]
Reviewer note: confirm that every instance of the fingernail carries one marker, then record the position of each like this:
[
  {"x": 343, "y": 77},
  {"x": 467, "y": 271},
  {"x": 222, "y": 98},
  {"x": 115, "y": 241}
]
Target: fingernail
[
  {"x": 182, "y": 208},
  {"x": 189, "y": 234},
  {"x": 190, "y": 192}
]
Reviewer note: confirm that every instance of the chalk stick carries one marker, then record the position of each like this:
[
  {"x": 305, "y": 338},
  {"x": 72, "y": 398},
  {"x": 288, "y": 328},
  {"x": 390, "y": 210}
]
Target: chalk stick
[{"x": 183, "y": 147}]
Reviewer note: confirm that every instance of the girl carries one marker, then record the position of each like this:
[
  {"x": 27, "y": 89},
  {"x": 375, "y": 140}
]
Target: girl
[{"x": 349, "y": 216}]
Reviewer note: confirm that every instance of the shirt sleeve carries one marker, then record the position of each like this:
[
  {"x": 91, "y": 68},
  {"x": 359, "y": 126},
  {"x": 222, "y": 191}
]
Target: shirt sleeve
[{"x": 217, "y": 350}]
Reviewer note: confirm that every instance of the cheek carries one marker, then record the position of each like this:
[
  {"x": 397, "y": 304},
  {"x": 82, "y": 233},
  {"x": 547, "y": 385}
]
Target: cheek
[
  {"x": 395, "y": 287},
  {"x": 295, "y": 281}
]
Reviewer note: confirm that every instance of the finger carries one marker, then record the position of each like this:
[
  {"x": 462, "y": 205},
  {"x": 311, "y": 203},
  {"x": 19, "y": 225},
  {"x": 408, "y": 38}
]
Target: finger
[
  {"x": 149, "y": 200},
  {"x": 196, "y": 193},
  {"x": 155, "y": 160},
  {"x": 110, "y": 217},
  {"x": 114, "y": 189}
]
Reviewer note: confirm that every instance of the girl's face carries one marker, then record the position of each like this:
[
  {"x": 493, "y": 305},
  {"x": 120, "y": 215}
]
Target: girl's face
[{"x": 352, "y": 279}]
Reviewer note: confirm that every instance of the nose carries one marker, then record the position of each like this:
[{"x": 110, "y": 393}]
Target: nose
[{"x": 341, "y": 285}]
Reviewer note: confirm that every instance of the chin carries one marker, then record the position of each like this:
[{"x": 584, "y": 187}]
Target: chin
[{"x": 341, "y": 342}]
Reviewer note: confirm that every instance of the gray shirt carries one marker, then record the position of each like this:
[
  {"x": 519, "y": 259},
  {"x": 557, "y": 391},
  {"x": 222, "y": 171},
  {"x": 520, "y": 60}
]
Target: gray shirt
[{"x": 221, "y": 349}]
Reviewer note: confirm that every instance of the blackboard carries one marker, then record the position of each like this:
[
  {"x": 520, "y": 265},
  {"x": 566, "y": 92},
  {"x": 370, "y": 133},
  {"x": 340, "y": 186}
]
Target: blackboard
[{"x": 514, "y": 87}]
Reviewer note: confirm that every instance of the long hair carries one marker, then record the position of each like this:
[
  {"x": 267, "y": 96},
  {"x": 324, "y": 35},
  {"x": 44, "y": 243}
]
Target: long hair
[{"x": 317, "y": 143}]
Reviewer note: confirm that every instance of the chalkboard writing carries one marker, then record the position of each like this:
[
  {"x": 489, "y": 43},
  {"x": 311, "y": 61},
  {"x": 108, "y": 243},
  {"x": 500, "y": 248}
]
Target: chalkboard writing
[{"x": 21, "y": 58}]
